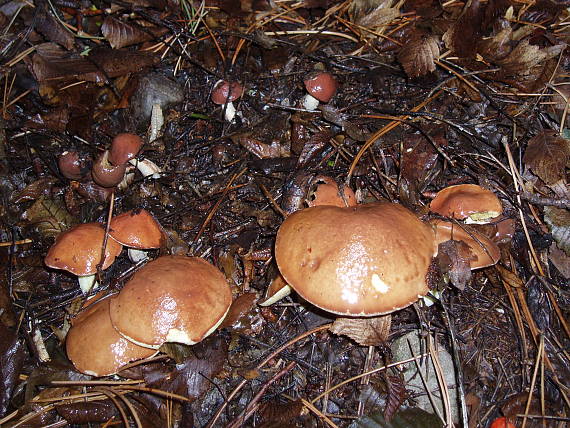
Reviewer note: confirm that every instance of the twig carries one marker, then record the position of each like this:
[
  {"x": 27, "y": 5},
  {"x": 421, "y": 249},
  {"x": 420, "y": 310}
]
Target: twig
[{"x": 541, "y": 200}]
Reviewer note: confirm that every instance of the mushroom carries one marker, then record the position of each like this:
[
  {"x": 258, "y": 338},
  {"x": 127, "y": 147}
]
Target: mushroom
[
  {"x": 366, "y": 260},
  {"x": 70, "y": 165},
  {"x": 467, "y": 201},
  {"x": 484, "y": 251},
  {"x": 171, "y": 299},
  {"x": 321, "y": 86},
  {"x": 106, "y": 174},
  {"x": 328, "y": 192},
  {"x": 124, "y": 147},
  {"x": 109, "y": 352},
  {"x": 224, "y": 93},
  {"x": 78, "y": 250},
  {"x": 138, "y": 230}
]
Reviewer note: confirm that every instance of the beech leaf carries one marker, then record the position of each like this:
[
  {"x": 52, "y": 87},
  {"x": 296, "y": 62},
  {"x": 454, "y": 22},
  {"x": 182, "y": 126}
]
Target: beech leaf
[
  {"x": 547, "y": 155},
  {"x": 418, "y": 55},
  {"x": 50, "y": 217},
  {"x": 558, "y": 222},
  {"x": 364, "y": 331},
  {"x": 120, "y": 34}
]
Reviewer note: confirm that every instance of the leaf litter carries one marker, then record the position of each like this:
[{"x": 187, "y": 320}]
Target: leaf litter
[{"x": 430, "y": 95}]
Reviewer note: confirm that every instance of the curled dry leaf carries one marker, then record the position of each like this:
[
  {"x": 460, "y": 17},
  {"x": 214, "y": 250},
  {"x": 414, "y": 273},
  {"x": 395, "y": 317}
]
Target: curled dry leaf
[
  {"x": 547, "y": 155},
  {"x": 121, "y": 34},
  {"x": 558, "y": 221},
  {"x": 418, "y": 55},
  {"x": 364, "y": 331},
  {"x": 379, "y": 16}
]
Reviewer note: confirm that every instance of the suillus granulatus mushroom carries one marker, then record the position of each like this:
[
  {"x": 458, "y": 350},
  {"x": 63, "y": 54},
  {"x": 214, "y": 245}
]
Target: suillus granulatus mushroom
[
  {"x": 468, "y": 202},
  {"x": 79, "y": 249},
  {"x": 365, "y": 260},
  {"x": 171, "y": 299},
  {"x": 138, "y": 230},
  {"x": 321, "y": 87},
  {"x": 224, "y": 94},
  {"x": 95, "y": 347}
]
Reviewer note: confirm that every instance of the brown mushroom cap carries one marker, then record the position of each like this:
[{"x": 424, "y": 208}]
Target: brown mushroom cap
[
  {"x": 105, "y": 174},
  {"x": 322, "y": 86},
  {"x": 136, "y": 229},
  {"x": 226, "y": 92},
  {"x": 466, "y": 200},
  {"x": 171, "y": 299},
  {"x": 95, "y": 347},
  {"x": 78, "y": 250},
  {"x": 327, "y": 192},
  {"x": 485, "y": 252},
  {"x": 365, "y": 260},
  {"x": 69, "y": 164},
  {"x": 124, "y": 147}
]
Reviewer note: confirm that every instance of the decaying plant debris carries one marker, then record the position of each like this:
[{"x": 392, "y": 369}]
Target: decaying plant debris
[{"x": 429, "y": 95}]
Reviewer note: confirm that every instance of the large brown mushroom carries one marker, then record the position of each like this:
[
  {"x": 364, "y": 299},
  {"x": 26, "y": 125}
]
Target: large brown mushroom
[
  {"x": 171, "y": 299},
  {"x": 365, "y": 260},
  {"x": 94, "y": 346},
  {"x": 78, "y": 250}
]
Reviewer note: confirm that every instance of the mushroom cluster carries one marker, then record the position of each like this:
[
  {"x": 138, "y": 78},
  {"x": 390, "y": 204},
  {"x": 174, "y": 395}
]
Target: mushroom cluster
[
  {"x": 110, "y": 167},
  {"x": 79, "y": 249},
  {"x": 171, "y": 299}
]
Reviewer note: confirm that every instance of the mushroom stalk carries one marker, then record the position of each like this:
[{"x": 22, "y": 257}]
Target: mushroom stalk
[{"x": 310, "y": 102}]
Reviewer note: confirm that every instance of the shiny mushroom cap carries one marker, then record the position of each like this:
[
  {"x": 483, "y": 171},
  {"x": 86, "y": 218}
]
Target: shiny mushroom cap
[
  {"x": 109, "y": 352},
  {"x": 70, "y": 166},
  {"x": 484, "y": 251},
  {"x": 106, "y": 174},
  {"x": 136, "y": 229},
  {"x": 171, "y": 299},
  {"x": 226, "y": 92},
  {"x": 78, "y": 250},
  {"x": 322, "y": 86},
  {"x": 124, "y": 147},
  {"x": 365, "y": 260},
  {"x": 469, "y": 201}
]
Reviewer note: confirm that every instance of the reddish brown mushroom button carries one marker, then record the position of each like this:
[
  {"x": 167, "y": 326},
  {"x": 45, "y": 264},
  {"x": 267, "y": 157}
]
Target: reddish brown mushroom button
[
  {"x": 321, "y": 86},
  {"x": 70, "y": 165},
  {"x": 326, "y": 191},
  {"x": 78, "y": 250},
  {"x": 106, "y": 174},
  {"x": 171, "y": 299},
  {"x": 366, "y": 260},
  {"x": 109, "y": 352},
  {"x": 124, "y": 147},
  {"x": 224, "y": 93},
  {"x": 467, "y": 201}
]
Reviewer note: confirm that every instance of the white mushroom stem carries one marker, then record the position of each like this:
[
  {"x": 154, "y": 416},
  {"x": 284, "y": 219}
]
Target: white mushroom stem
[
  {"x": 310, "y": 102},
  {"x": 278, "y": 295},
  {"x": 86, "y": 283},
  {"x": 229, "y": 111},
  {"x": 146, "y": 167},
  {"x": 136, "y": 256}
]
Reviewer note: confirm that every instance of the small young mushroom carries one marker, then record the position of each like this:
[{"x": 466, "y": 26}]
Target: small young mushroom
[
  {"x": 70, "y": 165},
  {"x": 138, "y": 230},
  {"x": 109, "y": 351},
  {"x": 224, "y": 93},
  {"x": 485, "y": 252},
  {"x": 321, "y": 86},
  {"x": 366, "y": 260},
  {"x": 171, "y": 299},
  {"x": 327, "y": 192},
  {"x": 78, "y": 250},
  {"x": 467, "y": 201},
  {"x": 106, "y": 174},
  {"x": 124, "y": 147}
]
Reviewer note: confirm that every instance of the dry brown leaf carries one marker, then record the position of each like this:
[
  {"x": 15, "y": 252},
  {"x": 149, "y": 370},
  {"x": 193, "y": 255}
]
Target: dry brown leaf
[
  {"x": 418, "y": 55},
  {"x": 558, "y": 221},
  {"x": 509, "y": 277},
  {"x": 53, "y": 30},
  {"x": 454, "y": 259},
  {"x": 364, "y": 331},
  {"x": 50, "y": 217},
  {"x": 560, "y": 260},
  {"x": 378, "y": 17},
  {"x": 547, "y": 155},
  {"x": 120, "y": 34}
]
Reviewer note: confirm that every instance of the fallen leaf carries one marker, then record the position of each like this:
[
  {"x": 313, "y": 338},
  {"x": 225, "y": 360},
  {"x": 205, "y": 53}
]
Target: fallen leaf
[
  {"x": 11, "y": 361},
  {"x": 454, "y": 259},
  {"x": 560, "y": 260},
  {"x": 120, "y": 34},
  {"x": 50, "y": 217},
  {"x": 547, "y": 155},
  {"x": 364, "y": 331},
  {"x": 558, "y": 222},
  {"x": 417, "y": 56}
]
